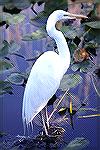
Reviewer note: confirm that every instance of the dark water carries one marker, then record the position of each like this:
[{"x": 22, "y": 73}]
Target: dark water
[
  {"x": 11, "y": 105},
  {"x": 12, "y": 122}
]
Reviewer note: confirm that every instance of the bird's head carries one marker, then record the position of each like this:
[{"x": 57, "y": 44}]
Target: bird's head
[
  {"x": 61, "y": 14},
  {"x": 58, "y": 15}
]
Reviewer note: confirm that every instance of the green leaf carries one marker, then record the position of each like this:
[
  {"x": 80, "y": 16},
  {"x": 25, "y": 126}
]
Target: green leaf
[
  {"x": 27, "y": 37},
  {"x": 2, "y": 134},
  {"x": 72, "y": 48},
  {"x": 6, "y": 48},
  {"x": 70, "y": 81},
  {"x": 16, "y": 78},
  {"x": 13, "y": 47},
  {"x": 84, "y": 66},
  {"x": 5, "y": 87},
  {"x": 75, "y": 67},
  {"x": 16, "y": 19},
  {"x": 11, "y": 19},
  {"x": 9, "y": 5},
  {"x": 3, "y": 83},
  {"x": 5, "y": 16},
  {"x": 97, "y": 1},
  {"x": 38, "y": 34},
  {"x": 94, "y": 24},
  {"x": 40, "y": 20},
  {"x": 3, "y": 50},
  {"x": 5, "y": 65},
  {"x": 91, "y": 44},
  {"x": 52, "y": 5},
  {"x": 22, "y": 4},
  {"x": 69, "y": 32},
  {"x": 77, "y": 144},
  {"x": 6, "y": 90}
]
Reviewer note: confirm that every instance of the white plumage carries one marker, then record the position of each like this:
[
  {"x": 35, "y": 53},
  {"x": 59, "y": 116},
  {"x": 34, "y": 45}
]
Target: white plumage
[
  {"x": 48, "y": 70},
  {"x": 41, "y": 85}
]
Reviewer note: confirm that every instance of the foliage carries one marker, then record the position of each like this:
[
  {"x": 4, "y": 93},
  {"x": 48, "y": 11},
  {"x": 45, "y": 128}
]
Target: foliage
[
  {"x": 97, "y": 1},
  {"x": 51, "y": 5},
  {"x": 5, "y": 65},
  {"x": 70, "y": 81},
  {"x": 11, "y": 19},
  {"x": 38, "y": 34},
  {"x": 39, "y": 20},
  {"x": 5, "y": 87},
  {"x": 70, "y": 32},
  {"x": 93, "y": 24},
  {"x": 82, "y": 66},
  {"x": 84, "y": 45},
  {"x": 9, "y": 4},
  {"x": 16, "y": 78},
  {"x": 8, "y": 48},
  {"x": 2, "y": 134},
  {"x": 77, "y": 144}
]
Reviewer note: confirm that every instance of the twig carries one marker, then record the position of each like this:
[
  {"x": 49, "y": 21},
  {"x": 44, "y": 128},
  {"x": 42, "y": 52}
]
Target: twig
[
  {"x": 57, "y": 105},
  {"x": 71, "y": 95},
  {"x": 86, "y": 32},
  {"x": 89, "y": 116}
]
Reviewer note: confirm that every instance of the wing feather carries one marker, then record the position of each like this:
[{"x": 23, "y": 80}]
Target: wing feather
[{"x": 42, "y": 84}]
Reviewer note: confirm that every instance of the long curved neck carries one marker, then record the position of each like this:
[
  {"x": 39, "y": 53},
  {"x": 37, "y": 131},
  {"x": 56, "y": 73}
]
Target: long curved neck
[{"x": 61, "y": 44}]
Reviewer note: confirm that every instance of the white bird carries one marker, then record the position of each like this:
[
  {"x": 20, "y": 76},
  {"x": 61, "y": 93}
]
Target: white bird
[{"x": 48, "y": 70}]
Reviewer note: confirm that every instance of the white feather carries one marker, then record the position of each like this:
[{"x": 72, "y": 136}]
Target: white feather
[
  {"x": 42, "y": 84},
  {"x": 47, "y": 72}
]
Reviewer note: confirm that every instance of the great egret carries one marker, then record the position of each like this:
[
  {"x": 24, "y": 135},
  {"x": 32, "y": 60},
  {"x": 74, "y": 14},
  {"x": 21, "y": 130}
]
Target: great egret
[{"x": 48, "y": 70}]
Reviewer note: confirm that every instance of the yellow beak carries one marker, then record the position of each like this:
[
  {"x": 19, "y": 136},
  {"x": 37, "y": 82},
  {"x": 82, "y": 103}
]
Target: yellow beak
[{"x": 77, "y": 16}]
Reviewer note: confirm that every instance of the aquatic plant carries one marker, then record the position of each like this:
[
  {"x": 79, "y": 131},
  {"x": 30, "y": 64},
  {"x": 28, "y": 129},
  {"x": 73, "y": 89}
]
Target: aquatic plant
[{"x": 84, "y": 43}]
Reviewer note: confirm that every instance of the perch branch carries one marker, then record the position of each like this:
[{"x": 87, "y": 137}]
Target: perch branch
[{"x": 57, "y": 105}]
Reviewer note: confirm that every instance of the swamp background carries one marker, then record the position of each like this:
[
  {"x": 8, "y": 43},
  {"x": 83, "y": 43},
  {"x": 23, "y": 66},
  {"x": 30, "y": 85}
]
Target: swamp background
[{"x": 22, "y": 40}]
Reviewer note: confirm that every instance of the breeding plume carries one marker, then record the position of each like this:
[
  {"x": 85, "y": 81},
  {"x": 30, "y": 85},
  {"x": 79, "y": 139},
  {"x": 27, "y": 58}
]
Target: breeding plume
[{"x": 47, "y": 72}]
